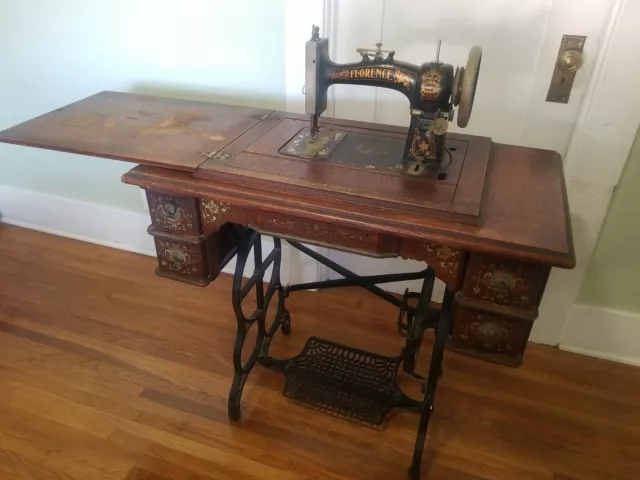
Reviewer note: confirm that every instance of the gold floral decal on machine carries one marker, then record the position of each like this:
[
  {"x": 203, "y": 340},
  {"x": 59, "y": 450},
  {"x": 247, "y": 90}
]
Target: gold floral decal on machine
[
  {"x": 430, "y": 85},
  {"x": 421, "y": 147},
  {"x": 213, "y": 210}
]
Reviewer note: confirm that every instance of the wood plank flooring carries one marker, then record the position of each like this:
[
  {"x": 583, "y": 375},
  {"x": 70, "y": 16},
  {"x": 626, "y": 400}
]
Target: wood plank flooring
[{"x": 109, "y": 372}]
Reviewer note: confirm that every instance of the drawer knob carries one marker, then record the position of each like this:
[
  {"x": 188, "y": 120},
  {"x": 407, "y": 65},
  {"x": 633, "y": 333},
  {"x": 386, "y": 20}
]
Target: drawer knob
[
  {"x": 169, "y": 209},
  {"x": 503, "y": 282},
  {"x": 177, "y": 257},
  {"x": 489, "y": 334},
  {"x": 178, "y": 260}
]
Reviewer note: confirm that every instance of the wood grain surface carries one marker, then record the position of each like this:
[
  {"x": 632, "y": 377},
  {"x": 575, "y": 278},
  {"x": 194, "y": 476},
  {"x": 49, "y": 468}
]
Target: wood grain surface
[
  {"x": 108, "y": 372},
  {"x": 243, "y": 144},
  {"x": 513, "y": 198},
  {"x": 365, "y": 168},
  {"x": 138, "y": 128},
  {"x": 525, "y": 214}
]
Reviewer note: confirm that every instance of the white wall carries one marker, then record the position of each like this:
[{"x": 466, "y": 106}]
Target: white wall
[
  {"x": 56, "y": 52},
  {"x": 608, "y": 329}
]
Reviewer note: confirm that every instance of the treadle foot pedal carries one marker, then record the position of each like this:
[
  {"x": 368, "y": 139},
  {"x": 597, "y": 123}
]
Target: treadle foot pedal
[{"x": 345, "y": 381}]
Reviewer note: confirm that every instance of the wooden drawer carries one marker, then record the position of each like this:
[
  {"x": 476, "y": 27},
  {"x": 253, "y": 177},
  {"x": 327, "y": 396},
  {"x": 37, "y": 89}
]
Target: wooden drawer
[
  {"x": 174, "y": 214},
  {"x": 489, "y": 331},
  {"x": 505, "y": 282},
  {"x": 325, "y": 234},
  {"x": 182, "y": 260},
  {"x": 196, "y": 260}
]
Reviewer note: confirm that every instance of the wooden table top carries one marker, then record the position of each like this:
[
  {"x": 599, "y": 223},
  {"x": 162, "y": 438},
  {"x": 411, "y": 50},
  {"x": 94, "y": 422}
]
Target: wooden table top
[
  {"x": 144, "y": 129},
  {"x": 365, "y": 168},
  {"x": 525, "y": 213},
  {"x": 524, "y": 210}
]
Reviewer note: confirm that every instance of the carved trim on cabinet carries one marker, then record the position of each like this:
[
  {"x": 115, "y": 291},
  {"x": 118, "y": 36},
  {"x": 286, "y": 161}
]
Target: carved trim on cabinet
[
  {"x": 316, "y": 230},
  {"x": 447, "y": 261},
  {"x": 446, "y": 256},
  {"x": 213, "y": 210}
]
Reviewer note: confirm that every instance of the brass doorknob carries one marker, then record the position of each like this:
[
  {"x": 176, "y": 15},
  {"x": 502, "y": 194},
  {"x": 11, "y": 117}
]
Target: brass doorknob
[{"x": 570, "y": 61}]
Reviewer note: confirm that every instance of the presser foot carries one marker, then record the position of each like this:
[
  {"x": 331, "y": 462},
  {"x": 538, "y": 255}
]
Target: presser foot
[{"x": 307, "y": 145}]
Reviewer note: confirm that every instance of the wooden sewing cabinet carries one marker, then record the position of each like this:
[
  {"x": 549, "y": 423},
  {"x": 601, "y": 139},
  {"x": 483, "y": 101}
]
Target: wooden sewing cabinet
[
  {"x": 491, "y": 230},
  {"x": 203, "y": 165}
]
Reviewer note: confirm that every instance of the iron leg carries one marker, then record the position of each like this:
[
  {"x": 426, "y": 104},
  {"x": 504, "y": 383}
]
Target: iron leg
[
  {"x": 435, "y": 370},
  {"x": 241, "y": 371}
]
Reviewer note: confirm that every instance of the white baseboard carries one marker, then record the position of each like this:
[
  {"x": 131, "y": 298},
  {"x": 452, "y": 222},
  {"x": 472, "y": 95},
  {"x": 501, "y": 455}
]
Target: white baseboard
[
  {"x": 89, "y": 222},
  {"x": 603, "y": 333},
  {"x": 116, "y": 228}
]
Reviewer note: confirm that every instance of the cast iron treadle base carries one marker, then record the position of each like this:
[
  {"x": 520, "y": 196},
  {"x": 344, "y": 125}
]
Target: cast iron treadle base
[{"x": 345, "y": 381}]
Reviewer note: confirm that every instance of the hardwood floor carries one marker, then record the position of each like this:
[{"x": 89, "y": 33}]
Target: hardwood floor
[{"x": 108, "y": 372}]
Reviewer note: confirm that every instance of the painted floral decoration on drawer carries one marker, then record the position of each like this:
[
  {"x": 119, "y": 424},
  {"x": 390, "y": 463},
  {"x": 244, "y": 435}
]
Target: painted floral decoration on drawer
[
  {"x": 502, "y": 283},
  {"x": 489, "y": 333},
  {"x": 172, "y": 213},
  {"x": 213, "y": 210},
  {"x": 177, "y": 258}
]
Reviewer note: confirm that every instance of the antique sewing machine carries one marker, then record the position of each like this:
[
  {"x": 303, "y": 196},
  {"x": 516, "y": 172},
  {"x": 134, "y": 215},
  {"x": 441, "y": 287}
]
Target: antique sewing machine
[
  {"x": 489, "y": 220},
  {"x": 433, "y": 90}
]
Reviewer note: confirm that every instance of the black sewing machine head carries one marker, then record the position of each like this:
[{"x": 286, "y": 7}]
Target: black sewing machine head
[{"x": 433, "y": 90}]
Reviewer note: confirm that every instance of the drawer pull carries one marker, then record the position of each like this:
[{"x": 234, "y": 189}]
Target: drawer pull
[{"x": 503, "y": 283}]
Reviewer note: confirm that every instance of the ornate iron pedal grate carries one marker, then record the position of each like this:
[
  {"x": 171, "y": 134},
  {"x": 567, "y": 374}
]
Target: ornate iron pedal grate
[{"x": 345, "y": 381}]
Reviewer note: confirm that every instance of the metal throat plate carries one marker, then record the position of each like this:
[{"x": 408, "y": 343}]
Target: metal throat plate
[{"x": 304, "y": 146}]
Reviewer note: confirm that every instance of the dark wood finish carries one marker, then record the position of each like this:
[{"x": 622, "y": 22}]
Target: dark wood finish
[
  {"x": 525, "y": 191},
  {"x": 107, "y": 372},
  {"x": 170, "y": 213},
  {"x": 505, "y": 282},
  {"x": 491, "y": 331},
  {"x": 181, "y": 257},
  {"x": 527, "y": 212},
  {"x": 495, "y": 310},
  {"x": 241, "y": 146},
  {"x": 365, "y": 168},
  {"x": 150, "y": 130},
  {"x": 327, "y": 234},
  {"x": 502, "y": 282},
  {"x": 448, "y": 263},
  {"x": 184, "y": 251},
  {"x": 505, "y": 206},
  {"x": 526, "y": 217}
]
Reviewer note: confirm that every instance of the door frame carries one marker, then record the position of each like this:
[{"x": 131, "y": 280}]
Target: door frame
[{"x": 604, "y": 129}]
